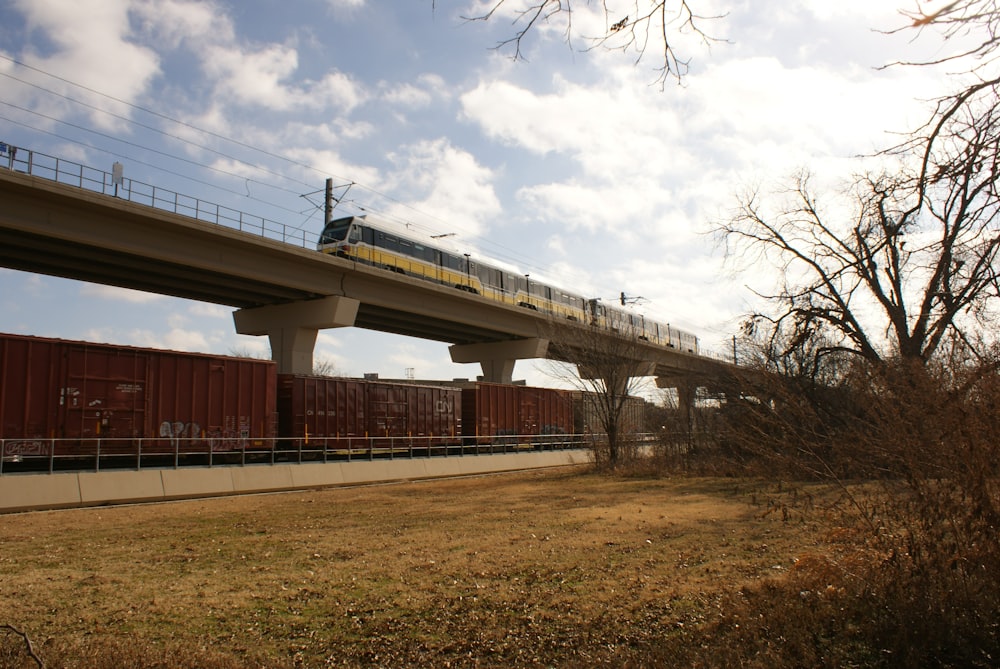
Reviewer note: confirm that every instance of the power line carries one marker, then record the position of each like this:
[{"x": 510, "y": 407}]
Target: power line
[
  {"x": 507, "y": 254},
  {"x": 163, "y": 116},
  {"x": 137, "y": 161},
  {"x": 156, "y": 130}
]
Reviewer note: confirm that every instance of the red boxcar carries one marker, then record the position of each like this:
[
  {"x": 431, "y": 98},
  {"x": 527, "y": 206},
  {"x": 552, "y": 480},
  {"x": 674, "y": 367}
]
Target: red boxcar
[
  {"x": 357, "y": 411},
  {"x": 493, "y": 410},
  {"x": 81, "y": 393}
]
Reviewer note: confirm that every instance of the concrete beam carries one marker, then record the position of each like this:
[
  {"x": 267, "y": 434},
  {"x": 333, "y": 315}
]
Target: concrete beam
[
  {"x": 633, "y": 369},
  {"x": 292, "y": 327},
  {"x": 498, "y": 358}
]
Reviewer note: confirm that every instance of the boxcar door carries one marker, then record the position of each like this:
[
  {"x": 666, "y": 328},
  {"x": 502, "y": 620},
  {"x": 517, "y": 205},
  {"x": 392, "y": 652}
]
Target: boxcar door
[{"x": 104, "y": 392}]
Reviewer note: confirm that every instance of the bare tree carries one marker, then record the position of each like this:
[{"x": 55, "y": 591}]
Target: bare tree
[
  {"x": 612, "y": 370},
  {"x": 911, "y": 261},
  {"x": 639, "y": 26},
  {"x": 325, "y": 367},
  {"x": 909, "y": 255}
]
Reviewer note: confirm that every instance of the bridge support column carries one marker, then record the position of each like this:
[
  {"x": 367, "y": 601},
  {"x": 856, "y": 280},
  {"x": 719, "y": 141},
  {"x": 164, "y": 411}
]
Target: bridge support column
[
  {"x": 292, "y": 328},
  {"x": 686, "y": 390},
  {"x": 498, "y": 358}
]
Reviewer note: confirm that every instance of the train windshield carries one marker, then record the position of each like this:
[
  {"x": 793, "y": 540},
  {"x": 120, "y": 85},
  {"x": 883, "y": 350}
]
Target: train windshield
[{"x": 335, "y": 231}]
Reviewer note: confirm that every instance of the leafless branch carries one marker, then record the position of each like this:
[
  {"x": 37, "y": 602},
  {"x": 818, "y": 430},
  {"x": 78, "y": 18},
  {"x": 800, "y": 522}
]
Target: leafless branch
[
  {"x": 27, "y": 643},
  {"x": 649, "y": 21}
]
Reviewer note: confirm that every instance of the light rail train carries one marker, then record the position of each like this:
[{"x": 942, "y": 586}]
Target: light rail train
[{"x": 361, "y": 240}]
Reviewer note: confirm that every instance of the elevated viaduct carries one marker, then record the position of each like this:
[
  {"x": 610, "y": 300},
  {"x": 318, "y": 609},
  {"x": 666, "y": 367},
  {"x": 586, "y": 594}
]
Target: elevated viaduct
[{"x": 70, "y": 221}]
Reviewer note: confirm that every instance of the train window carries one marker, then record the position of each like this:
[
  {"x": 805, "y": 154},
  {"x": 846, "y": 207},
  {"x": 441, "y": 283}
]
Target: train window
[
  {"x": 492, "y": 276},
  {"x": 368, "y": 236},
  {"x": 422, "y": 252},
  {"x": 335, "y": 232}
]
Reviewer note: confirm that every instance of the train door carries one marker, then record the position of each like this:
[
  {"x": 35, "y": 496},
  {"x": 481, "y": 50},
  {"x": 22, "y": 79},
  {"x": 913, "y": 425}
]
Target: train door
[
  {"x": 528, "y": 411},
  {"x": 387, "y": 410},
  {"x": 104, "y": 393}
]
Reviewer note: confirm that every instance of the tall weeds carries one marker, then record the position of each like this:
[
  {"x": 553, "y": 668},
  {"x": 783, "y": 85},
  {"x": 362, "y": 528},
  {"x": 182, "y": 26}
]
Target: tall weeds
[{"x": 915, "y": 449}]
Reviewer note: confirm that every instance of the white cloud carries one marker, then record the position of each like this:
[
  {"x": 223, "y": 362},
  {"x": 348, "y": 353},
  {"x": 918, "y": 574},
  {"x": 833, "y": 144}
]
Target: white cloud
[
  {"x": 261, "y": 78},
  {"x": 91, "y": 47},
  {"x": 345, "y": 4},
  {"x": 180, "y": 339},
  {"x": 117, "y": 294},
  {"x": 415, "y": 95},
  {"x": 446, "y": 183},
  {"x": 255, "y": 75},
  {"x": 205, "y": 310},
  {"x": 172, "y": 22}
]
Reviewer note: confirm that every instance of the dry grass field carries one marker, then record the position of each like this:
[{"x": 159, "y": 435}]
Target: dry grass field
[{"x": 558, "y": 568}]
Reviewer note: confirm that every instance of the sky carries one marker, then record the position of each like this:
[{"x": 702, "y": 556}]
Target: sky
[{"x": 573, "y": 164}]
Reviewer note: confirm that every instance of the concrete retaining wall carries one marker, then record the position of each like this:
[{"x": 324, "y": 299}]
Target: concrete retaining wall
[{"x": 22, "y": 492}]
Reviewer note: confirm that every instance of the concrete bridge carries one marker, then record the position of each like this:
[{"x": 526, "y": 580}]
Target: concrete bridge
[{"x": 66, "y": 220}]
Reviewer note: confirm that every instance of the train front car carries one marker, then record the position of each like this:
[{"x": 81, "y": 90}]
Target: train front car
[
  {"x": 356, "y": 238},
  {"x": 341, "y": 237}
]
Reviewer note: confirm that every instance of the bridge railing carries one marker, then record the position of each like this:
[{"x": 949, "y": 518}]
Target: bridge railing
[
  {"x": 95, "y": 180},
  {"x": 100, "y": 454}
]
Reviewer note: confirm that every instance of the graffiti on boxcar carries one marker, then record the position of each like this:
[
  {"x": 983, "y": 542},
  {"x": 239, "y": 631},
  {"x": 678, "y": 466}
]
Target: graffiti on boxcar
[
  {"x": 178, "y": 430},
  {"x": 27, "y": 447},
  {"x": 232, "y": 436}
]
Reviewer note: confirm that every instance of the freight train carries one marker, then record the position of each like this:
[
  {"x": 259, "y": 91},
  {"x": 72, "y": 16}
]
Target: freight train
[
  {"x": 361, "y": 240},
  {"x": 74, "y": 403}
]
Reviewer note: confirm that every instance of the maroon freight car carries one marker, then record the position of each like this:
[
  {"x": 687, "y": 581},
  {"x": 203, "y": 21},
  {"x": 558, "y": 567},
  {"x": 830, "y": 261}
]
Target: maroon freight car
[
  {"x": 491, "y": 410},
  {"x": 337, "y": 413},
  {"x": 82, "y": 397}
]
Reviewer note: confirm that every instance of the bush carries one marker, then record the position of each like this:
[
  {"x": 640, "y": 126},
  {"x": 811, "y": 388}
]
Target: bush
[{"x": 926, "y": 589}]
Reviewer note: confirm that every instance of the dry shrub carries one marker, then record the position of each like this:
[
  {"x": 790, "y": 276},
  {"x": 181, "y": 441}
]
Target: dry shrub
[
  {"x": 927, "y": 591},
  {"x": 119, "y": 653}
]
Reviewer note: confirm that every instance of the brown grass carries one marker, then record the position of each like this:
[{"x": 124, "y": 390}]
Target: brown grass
[{"x": 534, "y": 569}]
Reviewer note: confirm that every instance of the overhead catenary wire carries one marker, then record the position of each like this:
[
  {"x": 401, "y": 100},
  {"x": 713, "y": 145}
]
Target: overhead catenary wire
[{"x": 494, "y": 249}]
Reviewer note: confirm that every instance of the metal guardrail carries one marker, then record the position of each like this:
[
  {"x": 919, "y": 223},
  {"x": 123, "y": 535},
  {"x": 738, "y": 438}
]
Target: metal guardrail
[
  {"x": 114, "y": 184},
  {"x": 92, "y": 455}
]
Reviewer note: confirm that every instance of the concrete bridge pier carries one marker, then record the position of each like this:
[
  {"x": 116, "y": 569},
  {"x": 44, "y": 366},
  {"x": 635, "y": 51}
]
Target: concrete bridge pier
[
  {"x": 498, "y": 358},
  {"x": 292, "y": 328},
  {"x": 686, "y": 390}
]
